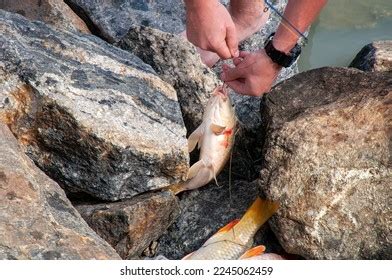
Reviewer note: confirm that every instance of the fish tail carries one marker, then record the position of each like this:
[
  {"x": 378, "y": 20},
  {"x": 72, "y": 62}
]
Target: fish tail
[{"x": 257, "y": 214}]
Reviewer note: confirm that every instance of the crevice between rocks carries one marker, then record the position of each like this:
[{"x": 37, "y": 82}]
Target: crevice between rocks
[{"x": 94, "y": 29}]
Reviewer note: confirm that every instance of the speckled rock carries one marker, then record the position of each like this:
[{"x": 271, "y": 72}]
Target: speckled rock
[
  {"x": 376, "y": 56},
  {"x": 328, "y": 160},
  {"x": 53, "y": 12},
  {"x": 93, "y": 117},
  {"x": 111, "y": 19},
  {"x": 204, "y": 211},
  {"x": 131, "y": 225},
  {"x": 36, "y": 219},
  {"x": 178, "y": 63}
]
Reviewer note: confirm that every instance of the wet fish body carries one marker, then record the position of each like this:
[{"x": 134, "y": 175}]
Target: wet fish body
[
  {"x": 215, "y": 139},
  {"x": 234, "y": 240}
]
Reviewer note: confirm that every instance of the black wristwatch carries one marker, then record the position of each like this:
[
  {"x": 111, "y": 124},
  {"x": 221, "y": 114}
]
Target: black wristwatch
[{"x": 279, "y": 57}]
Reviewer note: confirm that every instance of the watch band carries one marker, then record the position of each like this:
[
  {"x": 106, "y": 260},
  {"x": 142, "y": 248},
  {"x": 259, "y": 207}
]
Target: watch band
[{"x": 279, "y": 57}]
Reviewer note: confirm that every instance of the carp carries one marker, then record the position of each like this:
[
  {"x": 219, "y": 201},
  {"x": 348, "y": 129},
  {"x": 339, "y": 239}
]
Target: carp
[{"x": 234, "y": 240}]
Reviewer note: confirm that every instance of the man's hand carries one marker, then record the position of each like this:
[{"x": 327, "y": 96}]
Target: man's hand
[
  {"x": 253, "y": 73},
  {"x": 210, "y": 27}
]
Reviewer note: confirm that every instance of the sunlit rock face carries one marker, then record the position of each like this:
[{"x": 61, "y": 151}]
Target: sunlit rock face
[{"x": 328, "y": 160}]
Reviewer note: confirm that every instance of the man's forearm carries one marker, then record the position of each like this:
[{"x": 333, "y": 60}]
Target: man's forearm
[{"x": 300, "y": 13}]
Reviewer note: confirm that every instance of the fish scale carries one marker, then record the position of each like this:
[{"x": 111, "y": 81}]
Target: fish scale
[{"x": 234, "y": 239}]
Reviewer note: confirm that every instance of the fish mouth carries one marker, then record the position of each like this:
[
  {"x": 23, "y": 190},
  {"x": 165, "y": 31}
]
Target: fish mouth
[{"x": 222, "y": 92}]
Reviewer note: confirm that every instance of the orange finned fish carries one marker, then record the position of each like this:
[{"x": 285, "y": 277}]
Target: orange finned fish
[{"x": 234, "y": 240}]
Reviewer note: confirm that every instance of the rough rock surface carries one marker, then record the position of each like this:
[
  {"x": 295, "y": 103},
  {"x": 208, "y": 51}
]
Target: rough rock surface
[
  {"x": 328, "y": 160},
  {"x": 178, "y": 63},
  {"x": 204, "y": 211},
  {"x": 111, "y": 19},
  {"x": 93, "y": 117},
  {"x": 53, "y": 12},
  {"x": 36, "y": 219},
  {"x": 131, "y": 225},
  {"x": 376, "y": 56}
]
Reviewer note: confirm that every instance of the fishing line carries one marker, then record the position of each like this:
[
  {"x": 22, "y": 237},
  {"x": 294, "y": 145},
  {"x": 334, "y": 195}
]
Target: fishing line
[
  {"x": 231, "y": 159},
  {"x": 224, "y": 240},
  {"x": 304, "y": 40}
]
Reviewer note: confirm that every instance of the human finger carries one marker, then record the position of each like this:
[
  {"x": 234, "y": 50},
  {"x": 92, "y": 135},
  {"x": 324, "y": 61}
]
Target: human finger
[
  {"x": 231, "y": 40},
  {"x": 221, "y": 49},
  {"x": 237, "y": 60},
  {"x": 237, "y": 86},
  {"x": 230, "y": 74},
  {"x": 243, "y": 54}
]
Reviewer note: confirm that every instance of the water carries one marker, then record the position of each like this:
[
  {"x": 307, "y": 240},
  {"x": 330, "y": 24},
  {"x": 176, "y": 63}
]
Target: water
[{"x": 343, "y": 28}]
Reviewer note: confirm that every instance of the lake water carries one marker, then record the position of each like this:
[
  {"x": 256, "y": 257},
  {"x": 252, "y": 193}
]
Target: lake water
[{"x": 343, "y": 28}]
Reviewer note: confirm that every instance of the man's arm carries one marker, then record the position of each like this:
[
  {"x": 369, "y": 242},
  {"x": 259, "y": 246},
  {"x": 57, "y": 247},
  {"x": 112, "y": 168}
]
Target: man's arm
[
  {"x": 254, "y": 73},
  {"x": 301, "y": 14}
]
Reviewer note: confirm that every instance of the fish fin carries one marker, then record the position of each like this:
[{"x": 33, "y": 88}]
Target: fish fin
[
  {"x": 216, "y": 181},
  {"x": 260, "y": 211},
  {"x": 229, "y": 226},
  {"x": 195, "y": 168},
  {"x": 175, "y": 188},
  {"x": 200, "y": 143},
  {"x": 212, "y": 170},
  {"x": 252, "y": 252},
  {"x": 187, "y": 256},
  {"x": 217, "y": 129},
  {"x": 194, "y": 138}
]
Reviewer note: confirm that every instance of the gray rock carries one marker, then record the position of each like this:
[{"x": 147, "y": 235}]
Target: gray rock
[
  {"x": 111, "y": 19},
  {"x": 376, "y": 56},
  {"x": 93, "y": 117},
  {"x": 36, "y": 219},
  {"x": 204, "y": 211},
  {"x": 177, "y": 62},
  {"x": 328, "y": 160},
  {"x": 53, "y": 12},
  {"x": 131, "y": 225}
]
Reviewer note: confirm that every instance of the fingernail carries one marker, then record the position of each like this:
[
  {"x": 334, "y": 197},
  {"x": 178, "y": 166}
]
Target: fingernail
[{"x": 236, "y": 53}]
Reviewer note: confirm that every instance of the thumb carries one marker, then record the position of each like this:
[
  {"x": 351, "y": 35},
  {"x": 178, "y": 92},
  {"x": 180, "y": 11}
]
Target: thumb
[
  {"x": 231, "y": 40},
  {"x": 222, "y": 50}
]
